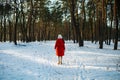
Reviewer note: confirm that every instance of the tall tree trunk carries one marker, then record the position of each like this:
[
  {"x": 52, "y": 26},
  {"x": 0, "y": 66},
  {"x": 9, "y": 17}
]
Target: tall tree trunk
[
  {"x": 101, "y": 24},
  {"x": 30, "y": 21},
  {"x": 1, "y": 30},
  {"x": 23, "y": 27},
  {"x": 16, "y": 24},
  {"x": 97, "y": 26},
  {"x": 116, "y": 24},
  {"x": 73, "y": 20},
  {"x": 82, "y": 33},
  {"x": 4, "y": 28},
  {"x": 102, "y": 35},
  {"x": 111, "y": 20},
  {"x": 10, "y": 31},
  {"x": 15, "y": 31},
  {"x": 33, "y": 29},
  {"x": 93, "y": 27}
]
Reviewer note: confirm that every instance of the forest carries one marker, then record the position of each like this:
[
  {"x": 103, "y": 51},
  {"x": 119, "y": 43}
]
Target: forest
[{"x": 77, "y": 20}]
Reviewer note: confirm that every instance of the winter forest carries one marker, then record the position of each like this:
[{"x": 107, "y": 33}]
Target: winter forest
[
  {"x": 90, "y": 28},
  {"x": 77, "y": 20}
]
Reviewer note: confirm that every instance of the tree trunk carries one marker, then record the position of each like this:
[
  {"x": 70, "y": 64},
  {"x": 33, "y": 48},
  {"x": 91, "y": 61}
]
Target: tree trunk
[
  {"x": 73, "y": 22},
  {"x": 111, "y": 20},
  {"x": 116, "y": 24},
  {"x": 4, "y": 28},
  {"x": 101, "y": 24},
  {"x": 102, "y": 27},
  {"x": 10, "y": 31},
  {"x": 81, "y": 30},
  {"x": 1, "y": 30},
  {"x": 16, "y": 24},
  {"x": 23, "y": 27}
]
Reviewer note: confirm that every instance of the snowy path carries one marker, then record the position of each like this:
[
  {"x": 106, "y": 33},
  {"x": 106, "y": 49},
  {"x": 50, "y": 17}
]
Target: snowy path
[{"x": 37, "y": 61}]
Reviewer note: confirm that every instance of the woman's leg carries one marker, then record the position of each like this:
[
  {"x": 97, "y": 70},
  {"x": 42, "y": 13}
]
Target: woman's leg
[{"x": 60, "y": 59}]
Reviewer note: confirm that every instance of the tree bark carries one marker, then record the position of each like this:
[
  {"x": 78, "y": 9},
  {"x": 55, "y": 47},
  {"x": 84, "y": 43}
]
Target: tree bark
[{"x": 116, "y": 24}]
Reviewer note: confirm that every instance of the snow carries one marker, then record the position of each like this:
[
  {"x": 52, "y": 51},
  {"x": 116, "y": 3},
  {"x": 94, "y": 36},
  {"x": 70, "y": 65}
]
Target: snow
[{"x": 37, "y": 61}]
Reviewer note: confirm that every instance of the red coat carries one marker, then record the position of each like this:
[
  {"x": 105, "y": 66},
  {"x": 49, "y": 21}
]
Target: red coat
[{"x": 60, "y": 47}]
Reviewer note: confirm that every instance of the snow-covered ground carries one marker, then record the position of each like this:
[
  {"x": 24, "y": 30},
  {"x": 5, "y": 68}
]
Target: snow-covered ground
[{"x": 37, "y": 61}]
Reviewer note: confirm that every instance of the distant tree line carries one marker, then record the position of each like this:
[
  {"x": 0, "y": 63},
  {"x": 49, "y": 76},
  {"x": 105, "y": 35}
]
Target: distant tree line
[{"x": 77, "y": 20}]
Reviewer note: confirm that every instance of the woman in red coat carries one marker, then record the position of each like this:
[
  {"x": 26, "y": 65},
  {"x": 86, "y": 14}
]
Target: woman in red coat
[{"x": 60, "y": 48}]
